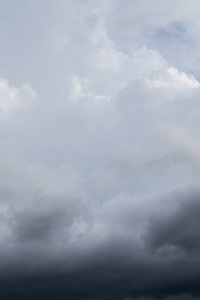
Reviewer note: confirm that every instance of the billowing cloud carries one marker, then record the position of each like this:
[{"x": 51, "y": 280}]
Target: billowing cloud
[{"x": 99, "y": 178}]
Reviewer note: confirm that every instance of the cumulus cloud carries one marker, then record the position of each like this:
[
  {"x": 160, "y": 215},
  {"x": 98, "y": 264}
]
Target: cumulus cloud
[
  {"x": 173, "y": 23},
  {"x": 99, "y": 180}
]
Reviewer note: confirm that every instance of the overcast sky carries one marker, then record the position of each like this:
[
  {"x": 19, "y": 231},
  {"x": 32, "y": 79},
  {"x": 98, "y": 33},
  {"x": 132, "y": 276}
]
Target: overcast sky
[{"x": 100, "y": 149}]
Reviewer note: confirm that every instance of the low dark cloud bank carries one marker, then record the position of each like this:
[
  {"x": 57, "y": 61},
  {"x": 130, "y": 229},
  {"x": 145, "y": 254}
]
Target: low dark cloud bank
[{"x": 161, "y": 263}]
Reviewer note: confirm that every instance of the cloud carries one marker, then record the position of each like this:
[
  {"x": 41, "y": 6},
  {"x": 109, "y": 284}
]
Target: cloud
[
  {"x": 99, "y": 180},
  {"x": 176, "y": 80},
  {"x": 151, "y": 15},
  {"x": 178, "y": 227},
  {"x": 180, "y": 297},
  {"x": 184, "y": 143},
  {"x": 155, "y": 24},
  {"x": 13, "y": 99}
]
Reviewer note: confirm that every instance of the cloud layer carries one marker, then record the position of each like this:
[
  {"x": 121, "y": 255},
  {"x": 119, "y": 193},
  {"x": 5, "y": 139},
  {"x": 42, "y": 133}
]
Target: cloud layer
[{"x": 99, "y": 152}]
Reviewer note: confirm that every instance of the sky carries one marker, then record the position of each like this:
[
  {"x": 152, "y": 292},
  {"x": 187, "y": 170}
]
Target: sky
[{"x": 100, "y": 149}]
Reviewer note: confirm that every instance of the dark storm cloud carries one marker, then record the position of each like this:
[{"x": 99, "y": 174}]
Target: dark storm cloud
[
  {"x": 180, "y": 228},
  {"x": 31, "y": 224},
  {"x": 163, "y": 262}
]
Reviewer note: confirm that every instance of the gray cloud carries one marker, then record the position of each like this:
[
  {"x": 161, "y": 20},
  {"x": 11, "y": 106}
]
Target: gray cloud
[
  {"x": 99, "y": 176},
  {"x": 180, "y": 228}
]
